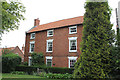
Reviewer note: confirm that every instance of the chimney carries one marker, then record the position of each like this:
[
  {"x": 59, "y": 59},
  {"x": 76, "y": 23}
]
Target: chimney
[
  {"x": 36, "y": 22},
  {"x": 23, "y": 48}
]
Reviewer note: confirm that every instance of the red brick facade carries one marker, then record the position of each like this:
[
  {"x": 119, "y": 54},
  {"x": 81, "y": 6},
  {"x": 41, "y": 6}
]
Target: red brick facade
[
  {"x": 15, "y": 50},
  {"x": 60, "y": 38}
]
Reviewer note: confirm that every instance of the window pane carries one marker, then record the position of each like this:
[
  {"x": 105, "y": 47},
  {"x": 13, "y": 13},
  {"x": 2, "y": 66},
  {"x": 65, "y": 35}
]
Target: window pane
[
  {"x": 72, "y": 62},
  {"x": 73, "y": 45},
  {"x": 32, "y": 35},
  {"x": 73, "y": 29},
  {"x": 50, "y": 33},
  {"x": 32, "y": 47},
  {"x": 49, "y": 46},
  {"x": 49, "y": 62}
]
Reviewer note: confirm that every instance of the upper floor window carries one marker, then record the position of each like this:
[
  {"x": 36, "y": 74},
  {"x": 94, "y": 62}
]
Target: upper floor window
[
  {"x": 32, "y": 36},
  {"x": 49, "y": 45},
  {"x": 73, "y": 44},
  {"x": 32, "y": 45},
  {"x": 49, "y": 33},
  {"x": 73, "y": 30}
]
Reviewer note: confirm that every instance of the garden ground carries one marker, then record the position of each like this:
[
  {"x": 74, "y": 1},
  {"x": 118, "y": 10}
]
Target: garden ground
[{"x": 7, "y": 76}]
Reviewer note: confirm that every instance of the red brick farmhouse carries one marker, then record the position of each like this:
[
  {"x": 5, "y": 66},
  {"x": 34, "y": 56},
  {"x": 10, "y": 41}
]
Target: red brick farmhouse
[{"x": 58, "y": 41}]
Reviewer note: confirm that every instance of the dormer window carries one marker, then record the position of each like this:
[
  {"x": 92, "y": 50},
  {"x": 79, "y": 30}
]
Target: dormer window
[
  {"x": 32, "y": 36},
  {"x": 73, "y": 30},
  {"x": 49, "y": 33}
]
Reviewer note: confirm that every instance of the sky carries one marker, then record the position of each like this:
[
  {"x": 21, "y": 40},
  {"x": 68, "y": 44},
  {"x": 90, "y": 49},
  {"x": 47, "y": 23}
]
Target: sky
[{"x": 48, "y": 11}]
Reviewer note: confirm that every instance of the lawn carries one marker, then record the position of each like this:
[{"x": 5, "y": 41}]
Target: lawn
[{"x": 23, "y": 77}]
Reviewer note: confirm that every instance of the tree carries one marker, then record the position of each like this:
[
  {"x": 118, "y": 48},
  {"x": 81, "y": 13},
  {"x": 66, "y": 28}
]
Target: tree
[
  {"x": 94, "y": 62},
  {"x": 12, "y": 13},
  {"x": 37, "y": 59}
]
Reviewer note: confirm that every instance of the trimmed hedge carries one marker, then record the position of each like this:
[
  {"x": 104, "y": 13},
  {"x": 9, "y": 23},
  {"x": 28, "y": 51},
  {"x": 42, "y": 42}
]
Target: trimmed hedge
[
  {"x": 59, "y": 76},
  {"x": 31, "y": 69},
  {"x": 27, "y": 69},
  {"x": 59, "y": 70},
  {"x": 9, "y": 62}
]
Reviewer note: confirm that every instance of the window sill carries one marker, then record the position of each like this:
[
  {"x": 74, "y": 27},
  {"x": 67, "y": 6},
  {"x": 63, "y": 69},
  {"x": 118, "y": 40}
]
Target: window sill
[
  {"x": 50, "y": 36},
  {"x": 30, "y": 52},
  {"x": 32, "y": 38},
  {"x": 73, "y": 33},
  {"x": 49, "y": 51},
  {"x": 73, "y": 51}
]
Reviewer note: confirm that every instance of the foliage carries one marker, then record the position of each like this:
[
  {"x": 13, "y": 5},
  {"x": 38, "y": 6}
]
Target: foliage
[
  {"x": 115, "y": 65},
  {"x": 26, "y": 69},
  {"x": 37, "y": 59},
  {"x": 31, "y": 69},
  {"x": 9, "y": 62},
  {"x": 12, "y": 13},
  {"x": 25, "y": 63},
  {"x": 18, "y": 72},
  {"x": 8, "y": 76},
  {"x": 59, "y": 70},
  {"x": 58, "y": 76},
  {"x": 95, "y": 61},
  {"x": 6, "y": 51}
]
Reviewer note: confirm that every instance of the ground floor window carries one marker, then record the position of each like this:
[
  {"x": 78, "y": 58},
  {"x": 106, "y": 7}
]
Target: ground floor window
[
  {"x": 71, "y": 61},
  {"x": 49, "y": 61}
]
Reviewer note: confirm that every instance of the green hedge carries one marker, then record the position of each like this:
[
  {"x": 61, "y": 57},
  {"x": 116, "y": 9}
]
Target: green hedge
[
  {"x": 31, "y": 69},
  {"x": 59, "y": 76},
  {"x": 59, "y": 70},
  {"x": 9, "y": 62},
  {"x": 27, "y": 69}
]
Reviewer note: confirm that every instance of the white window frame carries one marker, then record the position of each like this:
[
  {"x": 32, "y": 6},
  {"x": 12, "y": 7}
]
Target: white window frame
[
  {"x": 48, "y": 33},
  {"x": 29, "y": 62},
  {"x": 72, "y": 32},
  {"x": 31, "y": 36},
  {"x": 32, "y": 42},
  {"x": 50, "y": 40},
  {"x": 71, "y": 58},
  {"x": 72, "y": 38},
  {"x": 49, "y": 57}
]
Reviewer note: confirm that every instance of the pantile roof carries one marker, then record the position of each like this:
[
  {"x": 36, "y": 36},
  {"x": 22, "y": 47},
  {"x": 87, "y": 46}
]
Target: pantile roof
[{"x": 58, "y": 24}]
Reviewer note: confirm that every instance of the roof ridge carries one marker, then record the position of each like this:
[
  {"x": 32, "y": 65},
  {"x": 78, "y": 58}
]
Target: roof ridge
[
  {"x": 60, "y": 20},
  {"x": 58, "y": 24}
]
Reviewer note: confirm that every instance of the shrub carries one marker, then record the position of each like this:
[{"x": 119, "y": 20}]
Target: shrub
[
  {"x": 25, "y": 63},
  {"x": 37, "y": 59},
  {"x": 27, "y": 69},
  {"x": 59, "y": 70},
  {"x": 31, "y": 69},
  {"x": 18, "y": 72},
  {"x": 9, "y": 62},
  {"x": 59, "y": 76}
]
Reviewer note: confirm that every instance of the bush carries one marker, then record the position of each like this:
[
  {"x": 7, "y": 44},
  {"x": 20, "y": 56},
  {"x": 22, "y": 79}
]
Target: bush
[
  {"x": 26, "y": 69},
  {"x": 31, "y": 69},
  {"x": 18, "y": 72},
  {"x": 37, "y": 59},
  {"x": 25, "y": 63},
  {"x": 9, "y": 62},
  {"x": 59, "y": 70},
  {"x": 59, "y": 76}
]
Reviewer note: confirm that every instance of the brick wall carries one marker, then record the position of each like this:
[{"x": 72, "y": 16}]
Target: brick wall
[{"x": 60, "y": 45}]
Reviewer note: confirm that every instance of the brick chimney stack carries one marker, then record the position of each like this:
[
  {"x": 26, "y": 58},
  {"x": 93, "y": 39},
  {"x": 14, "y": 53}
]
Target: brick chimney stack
[
  {"x": 36, "y": 22},
  {"x": 23, "y": 48}
]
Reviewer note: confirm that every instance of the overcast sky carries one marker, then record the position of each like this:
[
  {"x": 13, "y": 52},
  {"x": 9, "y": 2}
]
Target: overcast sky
[{"x": 48, "y": 11}]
